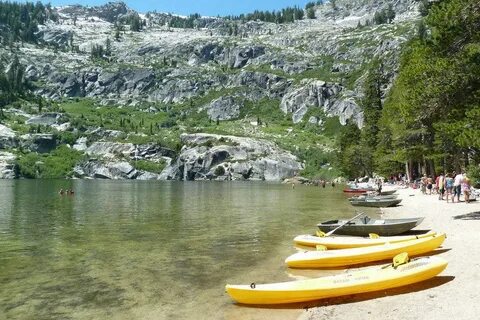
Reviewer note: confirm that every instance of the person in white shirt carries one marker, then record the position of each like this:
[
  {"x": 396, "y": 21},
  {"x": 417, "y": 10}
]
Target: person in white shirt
[{"x": 457, "y": 187}]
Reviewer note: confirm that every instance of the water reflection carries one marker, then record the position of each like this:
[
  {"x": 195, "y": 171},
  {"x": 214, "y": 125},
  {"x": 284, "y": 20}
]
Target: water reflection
[{"x": 123, "y": 250}]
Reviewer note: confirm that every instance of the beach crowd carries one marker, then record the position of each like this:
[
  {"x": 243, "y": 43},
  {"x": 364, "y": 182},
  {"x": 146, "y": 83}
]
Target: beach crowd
[{"x": 448, "y": 186}]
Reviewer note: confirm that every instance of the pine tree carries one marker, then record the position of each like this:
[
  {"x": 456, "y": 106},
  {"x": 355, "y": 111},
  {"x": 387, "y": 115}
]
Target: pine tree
[
  {"x": 108, "y": 47},
  {"x": 389, "y": 13},
  {"x": 311, "y": 13}
]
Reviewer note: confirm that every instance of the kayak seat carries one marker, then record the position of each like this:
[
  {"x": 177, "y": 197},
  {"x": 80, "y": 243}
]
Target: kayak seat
[{"x": 366, "y": 219}]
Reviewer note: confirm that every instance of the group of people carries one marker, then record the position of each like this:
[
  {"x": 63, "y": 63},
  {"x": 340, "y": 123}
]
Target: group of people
[
  {"x": 68, "y": 192},
  {"x": 451, "y": 184}
]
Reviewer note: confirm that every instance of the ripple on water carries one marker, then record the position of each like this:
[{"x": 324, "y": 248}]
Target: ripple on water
[{"x": 161, "y": 250}]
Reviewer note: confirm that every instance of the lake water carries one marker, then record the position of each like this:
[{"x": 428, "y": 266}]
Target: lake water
[{"x": 150, "y": 250}]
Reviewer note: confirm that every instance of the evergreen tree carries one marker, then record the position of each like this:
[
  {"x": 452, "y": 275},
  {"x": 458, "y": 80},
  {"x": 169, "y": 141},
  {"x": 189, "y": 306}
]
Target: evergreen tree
[
  {"x": 423, "y": 7},
  {"x": 389, "y": 13},
  {"x": 21, "y": 20},
  {"x": 421, "y": 31},
  {"x": 432, "y": 111},
  {"x": 352, "y": 158},
  {"x": 372, "y": 105},
  {"x": 108, "y": 47},
  {"x": 97, "y": 52},
  {"x": 333, "y": 3}
]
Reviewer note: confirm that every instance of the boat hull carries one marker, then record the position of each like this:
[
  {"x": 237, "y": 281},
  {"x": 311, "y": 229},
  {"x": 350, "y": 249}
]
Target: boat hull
[
  {"x": 376, "y": 203},
  {"x": 354, "y": 256},
  {"x": 389, "y": 227},
  {"x": 348, "y": 190},
  {"x": 347, "y": 242},
  {"x": 388, "y": 192},
  {"x": 357, "y": 282},
  {"x": 373, "y": 197}
]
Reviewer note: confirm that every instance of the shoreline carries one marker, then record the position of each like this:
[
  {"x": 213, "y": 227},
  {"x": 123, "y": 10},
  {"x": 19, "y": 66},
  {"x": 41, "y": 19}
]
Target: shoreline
[{"x": 453, "y": 294}]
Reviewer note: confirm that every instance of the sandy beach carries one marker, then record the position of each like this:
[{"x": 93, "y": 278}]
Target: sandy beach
[{"x": 454, "y": 294}]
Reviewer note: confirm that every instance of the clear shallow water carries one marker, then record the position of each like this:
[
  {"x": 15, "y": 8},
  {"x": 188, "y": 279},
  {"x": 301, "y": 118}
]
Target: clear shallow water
[{"x": 149, "y": 250}]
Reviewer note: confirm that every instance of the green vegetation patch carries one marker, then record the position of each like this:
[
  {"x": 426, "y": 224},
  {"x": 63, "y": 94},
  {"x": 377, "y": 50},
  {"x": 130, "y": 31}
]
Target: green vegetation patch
[
  {"x": 57, "y": 164},
  {"x": 150, "y": 166}
]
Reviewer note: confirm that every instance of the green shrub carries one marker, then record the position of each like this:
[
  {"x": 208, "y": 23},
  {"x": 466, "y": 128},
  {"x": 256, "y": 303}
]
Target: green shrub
[
  {"x": 150, "y": 166},
  {"x": 29, "y": 165},
  {"x": 219, "y": 171},
  {"x": 67, "y": 137},
  {"x": 473, "y": 172},
  {"x": 58, "y": 164}
]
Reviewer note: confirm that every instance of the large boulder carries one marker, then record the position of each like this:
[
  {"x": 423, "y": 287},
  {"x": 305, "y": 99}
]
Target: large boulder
[
  {"x": 39, "y": 142},
  {"x": 234, "y": 57},
  {"x": 73, "y": 86},
  {"x": 31, "y": 73},
  {"x": 7, "y": 165},
  {"x": 153, "y": 152},
  {"x": 223, "y": 108},
  {"x": 110, "y": 11},
  {"x": 8, "y": 138},
  {"x": 110, "y": 149},
  {"x": 54, "y": 37},
  {"x": 131, "y": 82},
  {"x": 45, "y": 119},
  {"x": 205, "y": 53},
  {"x": 80, "y": 144},
  {"x": 210, "y": 156},
  {"x": 239, "y": 57},
  {"x": 332, "y": 98},
  {"x": 112, "y": 170}
]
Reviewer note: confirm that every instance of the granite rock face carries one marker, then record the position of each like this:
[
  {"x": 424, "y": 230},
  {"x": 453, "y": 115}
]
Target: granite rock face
[
  {"x": 332, "y": 98},
  {"x": 8, "y": 138},
  {"x": 224, "y": 108},
  {"x": 169, "y": 65},
  {"x": 7, "y": 165},
  {"x": 217, "y": 157},
  {"x": 39, "y": 142}
]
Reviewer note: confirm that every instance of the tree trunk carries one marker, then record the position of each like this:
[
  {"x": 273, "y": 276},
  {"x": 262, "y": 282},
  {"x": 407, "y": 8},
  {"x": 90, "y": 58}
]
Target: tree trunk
[
  {"x": 407, "y": 170},
  {"x": 431, "y": 168}
]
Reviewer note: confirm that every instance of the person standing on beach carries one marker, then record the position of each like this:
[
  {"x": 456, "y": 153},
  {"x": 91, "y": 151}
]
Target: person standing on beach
[
  {"x": 430, "y": 184},
  {"x": 440, "y": 182},
  {"x": 466, "y": 185},
  {"x": 449, "y": 185},
  {"x": 457, "y": 187},
  {"x": 423, "y": 184}
]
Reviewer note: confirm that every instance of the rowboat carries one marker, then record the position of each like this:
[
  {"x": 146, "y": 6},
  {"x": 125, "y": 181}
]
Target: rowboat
[
  {"x": 378, "y": 203},
  {"x": 374, "y": 197},
  {"x": 354, "y": 190},
  {"x": 388, "y": 192},
  {"x": 354, "y": 256},
  {"x": 366, "y": 225},
  {"x": 378, "y": 278},
  {"x": 345, "y": 242}
]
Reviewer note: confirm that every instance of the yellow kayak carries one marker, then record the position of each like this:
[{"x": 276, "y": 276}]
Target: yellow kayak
[
  {"x": 346, "y": 242},
  {"x": 371, "y": 279},
  {"x": 346, "y": 257}
]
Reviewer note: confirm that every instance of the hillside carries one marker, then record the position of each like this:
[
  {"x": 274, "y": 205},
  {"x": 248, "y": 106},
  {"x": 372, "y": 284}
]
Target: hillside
[{"x": 106, "y": 92}]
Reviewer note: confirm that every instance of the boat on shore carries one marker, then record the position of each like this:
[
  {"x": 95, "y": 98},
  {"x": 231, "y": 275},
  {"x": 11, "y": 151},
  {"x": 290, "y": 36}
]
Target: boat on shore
[
  {"x": 372, "y": 196},
  {"x": 355, "y": 256},
  {"x": 377, "y": 203},
  {"x": 387, "y": 192},
  {"x": 366, "y": 225},
  {"x": 378, "y": 278},
  {"x": 355, "y": 190},
  {"x": 346, "y": 242}
]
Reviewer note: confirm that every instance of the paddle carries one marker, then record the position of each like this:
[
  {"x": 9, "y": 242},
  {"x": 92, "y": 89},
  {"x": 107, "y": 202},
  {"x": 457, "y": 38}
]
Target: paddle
[{"x": 330, "y": 232}]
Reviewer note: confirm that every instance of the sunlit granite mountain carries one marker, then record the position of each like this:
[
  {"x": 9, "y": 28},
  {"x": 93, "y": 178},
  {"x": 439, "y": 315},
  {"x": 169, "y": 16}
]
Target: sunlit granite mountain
[{"x": 111, "y": 93}]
